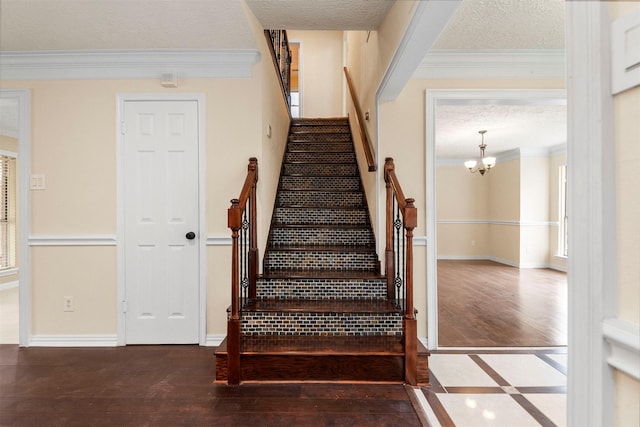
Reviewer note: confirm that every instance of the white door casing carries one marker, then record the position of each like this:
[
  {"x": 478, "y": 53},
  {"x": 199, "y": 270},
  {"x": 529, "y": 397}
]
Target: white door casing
[{"x": 161, "y": 205}]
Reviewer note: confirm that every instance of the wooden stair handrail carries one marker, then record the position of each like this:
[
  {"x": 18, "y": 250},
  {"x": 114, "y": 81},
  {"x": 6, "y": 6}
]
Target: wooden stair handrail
[
  {"x": 364, "y": 133},
  {"x": 234, "y": 218},
  {"x": 409, "y": 221}
]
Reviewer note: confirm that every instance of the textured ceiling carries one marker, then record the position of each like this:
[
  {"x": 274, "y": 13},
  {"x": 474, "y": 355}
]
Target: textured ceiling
[
  {"x": 320, "y": 14},
  {"x": 516, "y": 124},
  {"x": 123, "y": 24},
  {"x": 505, "y": 24}
]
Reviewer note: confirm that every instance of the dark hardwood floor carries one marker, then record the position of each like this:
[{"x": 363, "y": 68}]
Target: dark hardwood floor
[
  {"x": 487, "y": 304},
  {"x": 173, "y": 386}
]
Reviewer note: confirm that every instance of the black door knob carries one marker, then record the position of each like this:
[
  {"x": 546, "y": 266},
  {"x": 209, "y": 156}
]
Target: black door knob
[{"x": 190, "y": 235}]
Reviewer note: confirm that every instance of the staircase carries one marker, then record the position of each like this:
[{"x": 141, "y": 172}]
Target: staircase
[{"x": 321, "y": 310}]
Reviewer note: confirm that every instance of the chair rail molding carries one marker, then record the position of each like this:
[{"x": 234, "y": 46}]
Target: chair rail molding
[
  {"x": 624, "y": 346},
  {"x": 73, "y": 240}
]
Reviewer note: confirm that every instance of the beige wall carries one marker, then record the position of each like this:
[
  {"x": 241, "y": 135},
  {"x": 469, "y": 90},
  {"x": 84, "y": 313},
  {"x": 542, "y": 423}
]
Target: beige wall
[
  {"x": 402, "y": 136},
  {"x": 74, "y": 145},
  {"x": 462, "y": 212},
  {"x": 627, "y": 135},
  {"x": 504, "y": 216},
  {"x": 274, "y": 120},
  {"x": 534, "y": 208},
  {"x": 321, "y": 81},
  {"x": 355, "y": 41}
]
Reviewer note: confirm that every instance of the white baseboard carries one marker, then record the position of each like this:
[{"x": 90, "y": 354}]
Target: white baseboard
[
  {"x": 557, "y": 267},
  {"x": 73, "y": 341},
  {"x": 501, "y": 261},
  {"x": 462, "y": 257},
  {"x": 9, "y": 285},
  {"x": 214, "y": 340}
]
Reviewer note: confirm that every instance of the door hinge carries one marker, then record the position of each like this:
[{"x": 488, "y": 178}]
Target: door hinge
[
  {"x": 124, "y": 306},
  {"x": 123, "y": 128}
]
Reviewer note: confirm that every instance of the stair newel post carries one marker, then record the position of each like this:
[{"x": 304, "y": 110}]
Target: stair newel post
[
  {"x": 253, "y": 234},
  {"x": 233, "y": 325},
  {"x": 410, "y": 219},
  {"x": 410, "y": 222},
  {"x": 389, "y": 271}
]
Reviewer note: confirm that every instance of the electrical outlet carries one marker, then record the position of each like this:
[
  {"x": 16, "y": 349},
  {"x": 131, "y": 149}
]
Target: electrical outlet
[{"x": 68, "y": 304}]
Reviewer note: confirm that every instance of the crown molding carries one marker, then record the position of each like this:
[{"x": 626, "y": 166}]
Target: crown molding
[
  {"x": 493, "y": 64},
  {"x": 513, "y": 154},
  {"x": 126, "y": 64}
]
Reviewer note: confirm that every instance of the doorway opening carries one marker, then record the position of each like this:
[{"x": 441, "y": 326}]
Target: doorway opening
[
  {"x": 495, "y": 259},
  {"x": 296, "y": 96}
]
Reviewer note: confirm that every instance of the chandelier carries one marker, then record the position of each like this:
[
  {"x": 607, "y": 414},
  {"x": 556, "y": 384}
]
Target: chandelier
[{"x": 485, "y": 164}]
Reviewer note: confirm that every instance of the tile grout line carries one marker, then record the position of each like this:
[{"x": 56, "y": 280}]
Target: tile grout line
[
  {"x": 532, "y": 410},
  {"x": 489, "y": 370},
  {"x": 514, "y": 392},
  {"x": 552, "y": 362}
]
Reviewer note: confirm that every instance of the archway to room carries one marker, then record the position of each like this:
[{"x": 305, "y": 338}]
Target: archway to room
[
  {"x": 496, "y": 268},
  {"x": 14, "y": 216}
]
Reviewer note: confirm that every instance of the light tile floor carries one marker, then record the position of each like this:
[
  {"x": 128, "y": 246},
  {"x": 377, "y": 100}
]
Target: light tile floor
[{"x": 482, "y": 387}]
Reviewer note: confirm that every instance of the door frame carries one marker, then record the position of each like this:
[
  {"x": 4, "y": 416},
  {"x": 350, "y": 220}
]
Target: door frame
[
  {"x": 24, "y": 211},
  {"x": 120, "y": 203},
  {"x": 432, "y": 96}
]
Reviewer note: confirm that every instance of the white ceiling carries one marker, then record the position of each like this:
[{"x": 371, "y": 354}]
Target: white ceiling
[
  {"x": 320, "y": 14},
  {"x": 27, "y": 25},
  {"x": 505, "y": 24},
  {"x": 517, "y": 124},
  {"x": 494, "y": 25}
]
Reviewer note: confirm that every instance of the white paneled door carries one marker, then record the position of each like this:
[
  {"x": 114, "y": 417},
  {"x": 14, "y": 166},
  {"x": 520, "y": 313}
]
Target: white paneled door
[{"x": 161, "y": 222}]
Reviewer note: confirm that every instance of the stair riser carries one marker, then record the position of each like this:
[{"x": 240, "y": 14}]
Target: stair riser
[
  {"x": 320, "y": 146},
  {"x": 320, "y": 169},
  {"x": 328, "y": 128},
  {"x": 321, "y": 324},
  {"x": 319, "y": 198},
  {"x": 321, "y": 216},
  {"x": 346, "y": 183},
  {"x": 322, "y": 289},
  {"x": 304, "y": 121},
  {"x": 320, "y": 261},
  {"x": 326, "y": 138},
  {"x": 322, "y": 368},
  {"x": 320, "y": 157},
  {"x": 321, "y": 237}
]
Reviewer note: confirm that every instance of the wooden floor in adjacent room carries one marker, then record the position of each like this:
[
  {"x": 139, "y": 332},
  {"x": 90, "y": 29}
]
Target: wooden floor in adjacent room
[
  {"x": 487, "y": 304},
  {"x": 173, "y": 386}
]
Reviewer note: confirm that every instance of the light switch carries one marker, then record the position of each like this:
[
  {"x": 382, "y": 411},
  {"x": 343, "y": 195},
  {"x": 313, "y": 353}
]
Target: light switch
[{"x": 37, "y": 182}]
